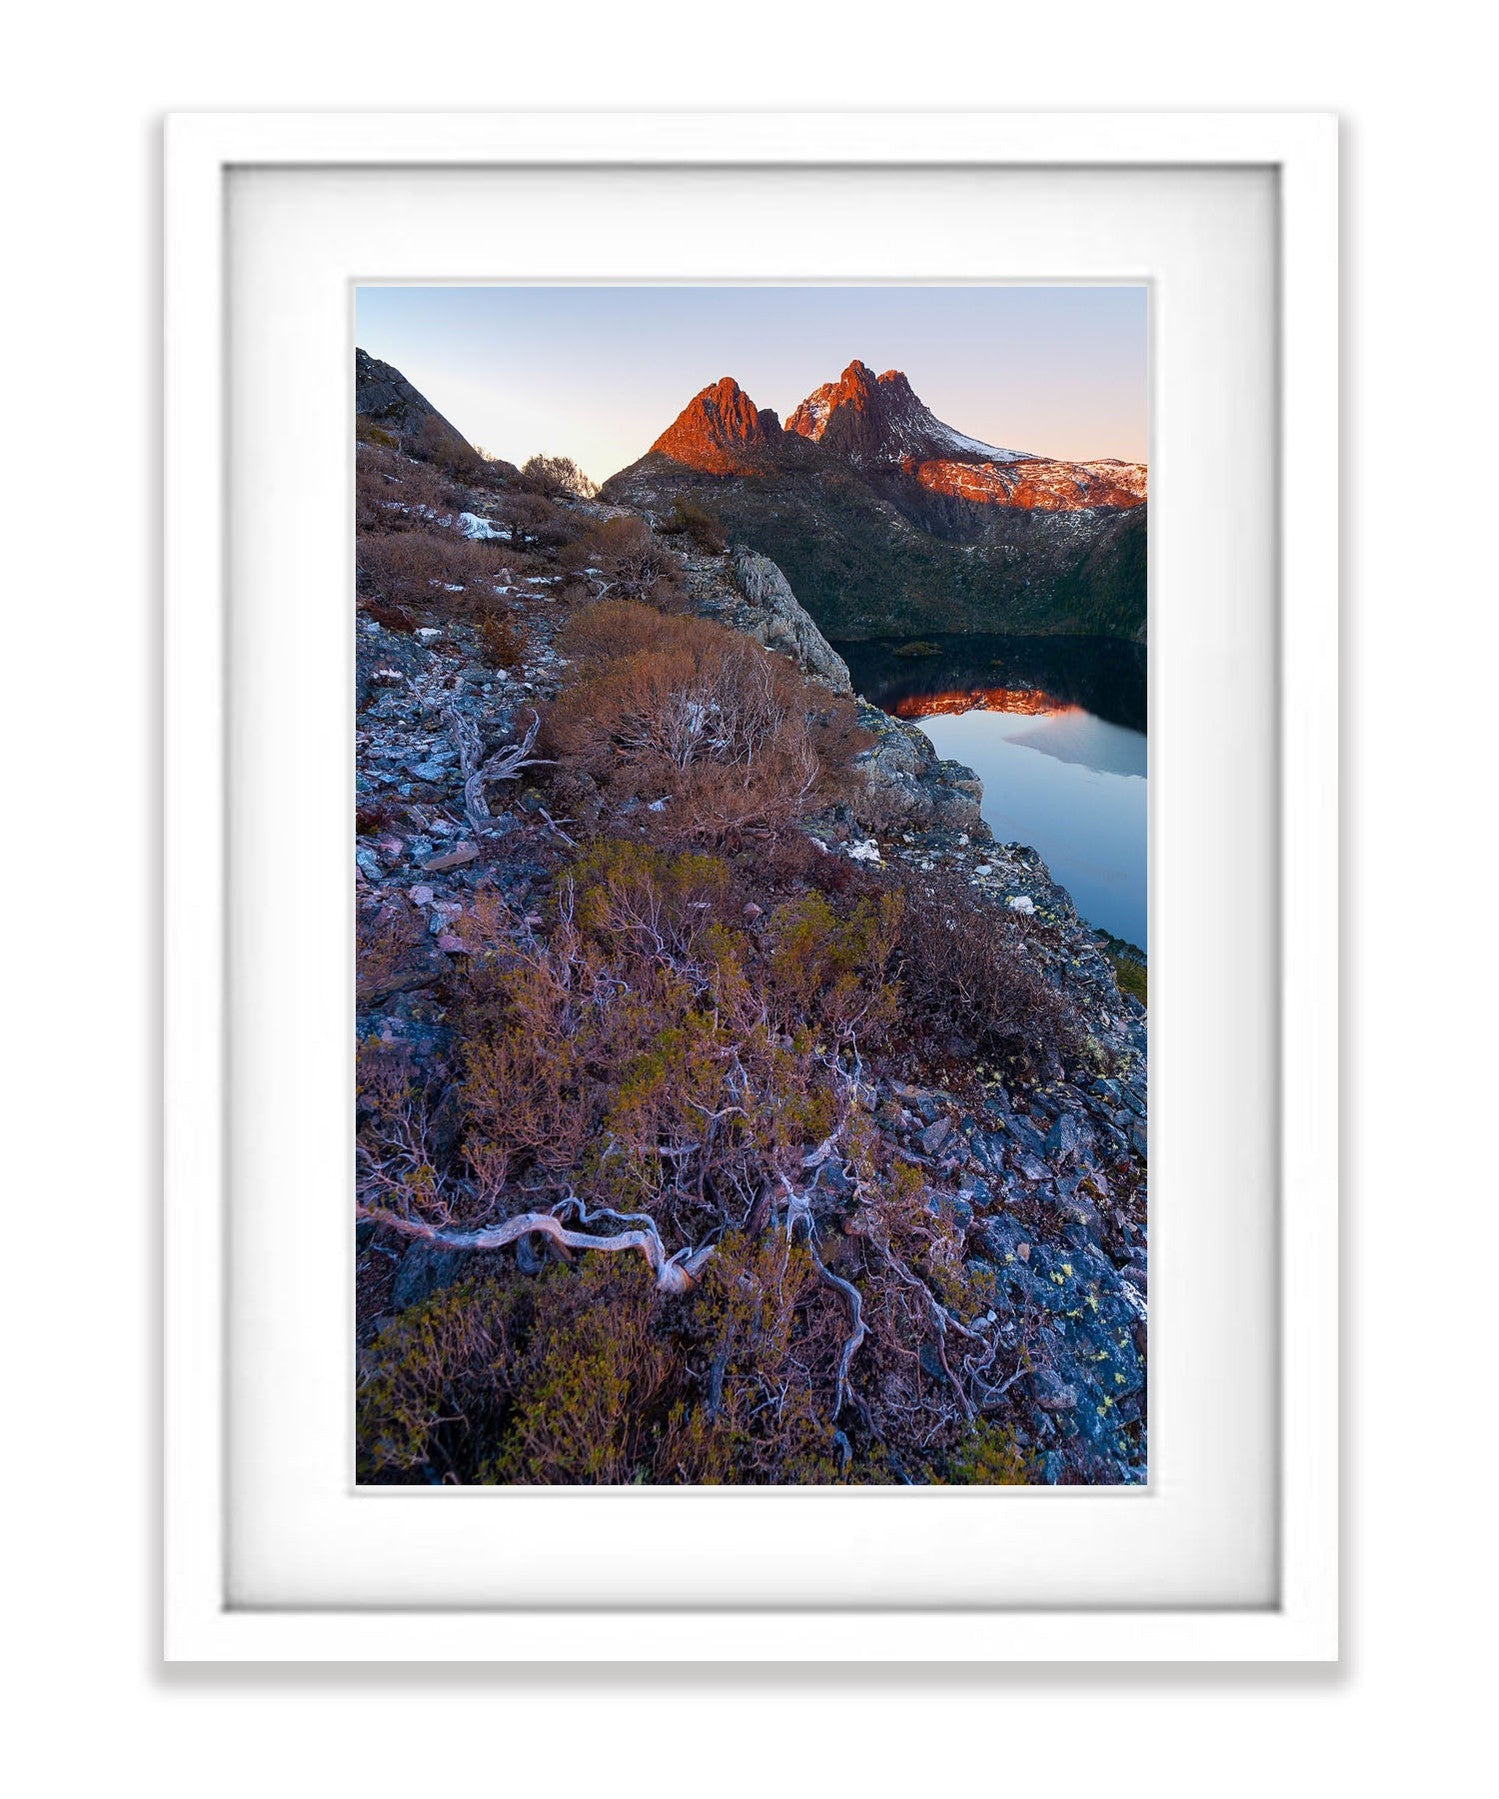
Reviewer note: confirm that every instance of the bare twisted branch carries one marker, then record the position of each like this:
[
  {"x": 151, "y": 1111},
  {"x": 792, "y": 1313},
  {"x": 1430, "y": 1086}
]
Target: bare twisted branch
[
  {"x": 478, "y": 770},
  {"x": 678, "y": 1273}
]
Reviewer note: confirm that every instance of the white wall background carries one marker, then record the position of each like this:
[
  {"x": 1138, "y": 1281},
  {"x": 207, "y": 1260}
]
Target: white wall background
[{"x": 80, "y": 442}]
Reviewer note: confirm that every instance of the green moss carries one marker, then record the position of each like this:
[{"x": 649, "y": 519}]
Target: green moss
[
  {"x": 990, "y": 1457},
  {"x": 1131, "y": 974}
]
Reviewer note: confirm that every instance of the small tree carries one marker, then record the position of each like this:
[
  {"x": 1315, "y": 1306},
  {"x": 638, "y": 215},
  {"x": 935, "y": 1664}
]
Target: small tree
[{"x": 560, "y": 475}]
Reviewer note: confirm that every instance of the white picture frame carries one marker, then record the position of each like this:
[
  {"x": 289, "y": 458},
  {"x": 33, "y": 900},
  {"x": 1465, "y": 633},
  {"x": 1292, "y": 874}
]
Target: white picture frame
[{"x": 203, "y": 1618}]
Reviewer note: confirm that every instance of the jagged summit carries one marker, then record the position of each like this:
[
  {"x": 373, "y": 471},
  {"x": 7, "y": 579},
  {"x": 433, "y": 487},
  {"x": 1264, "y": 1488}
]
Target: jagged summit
[
  {"x": 878, "y": 426},
  {"x": 878, "y": 418},
  {"x": 887, "y": 520},
  {"x": 720, "y": 431}
]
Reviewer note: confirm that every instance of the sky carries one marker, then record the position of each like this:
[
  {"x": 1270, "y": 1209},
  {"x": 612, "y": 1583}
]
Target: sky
[{"x": 598, "y": 373}]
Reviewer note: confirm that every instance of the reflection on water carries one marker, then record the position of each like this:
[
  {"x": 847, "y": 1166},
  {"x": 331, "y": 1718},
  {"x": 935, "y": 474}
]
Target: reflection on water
[
  {"x": 1054, "y": 727},
  {"x": 975, "y": 699}
]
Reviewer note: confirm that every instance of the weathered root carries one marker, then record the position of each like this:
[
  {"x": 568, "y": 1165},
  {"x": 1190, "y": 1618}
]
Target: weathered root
[
  {"x": 687, "y": 1261},
  {"x": 799, "y": 1211},
  {"x": 678, "y": 1273},
  {"x": 478, "y": 770},
  {"x": 941, "y": 1319},
  {"x": 857, "y": 1333}
]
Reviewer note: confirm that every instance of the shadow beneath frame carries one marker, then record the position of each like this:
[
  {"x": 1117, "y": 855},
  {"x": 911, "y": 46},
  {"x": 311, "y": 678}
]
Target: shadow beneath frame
[{"x": 668, "y": 1678}]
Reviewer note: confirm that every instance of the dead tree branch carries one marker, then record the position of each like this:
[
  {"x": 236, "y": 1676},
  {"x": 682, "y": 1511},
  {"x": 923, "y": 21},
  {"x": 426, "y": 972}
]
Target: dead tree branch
[
  {"x": 677, "y": 1273},
  {"x": 478, "y": 770}
]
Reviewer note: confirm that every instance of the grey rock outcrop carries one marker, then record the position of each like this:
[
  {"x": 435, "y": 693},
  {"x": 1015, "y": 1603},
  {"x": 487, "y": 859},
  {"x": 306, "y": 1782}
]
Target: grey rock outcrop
[
  {"x": 384, "y": 395},
  {"x": 912, "y": 785},
  {"x": 783, "y": 623}
]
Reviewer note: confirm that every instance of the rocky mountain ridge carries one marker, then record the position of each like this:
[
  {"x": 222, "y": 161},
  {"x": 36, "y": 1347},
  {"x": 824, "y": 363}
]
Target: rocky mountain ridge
[
  {"x": 889, "y": 521},
  {"x": 870, "y": 418}
]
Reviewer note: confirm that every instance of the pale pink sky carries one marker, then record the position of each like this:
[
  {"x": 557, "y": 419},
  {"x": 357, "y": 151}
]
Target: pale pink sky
[{"x": 597, "y": 373}]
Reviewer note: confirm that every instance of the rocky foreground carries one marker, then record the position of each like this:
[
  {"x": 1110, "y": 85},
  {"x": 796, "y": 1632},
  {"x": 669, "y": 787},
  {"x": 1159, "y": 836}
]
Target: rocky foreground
[{"x": 1039, "y": 1178}]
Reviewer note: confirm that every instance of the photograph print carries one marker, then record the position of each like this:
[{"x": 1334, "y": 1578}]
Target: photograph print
[{"x": 750, "y": 850}]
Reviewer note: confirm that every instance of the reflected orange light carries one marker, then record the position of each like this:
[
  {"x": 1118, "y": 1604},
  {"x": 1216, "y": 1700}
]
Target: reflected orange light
[{"x": 981, "y": 699}]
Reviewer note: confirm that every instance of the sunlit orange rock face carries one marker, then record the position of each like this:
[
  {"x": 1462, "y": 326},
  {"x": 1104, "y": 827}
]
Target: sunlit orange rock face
[
  {"x": 721, "y": 431},
  {"x": 877, "y": 422},
  {"x": 869, "y": 419},
  {"x": 884, "y": 518},
  {"x": 1037, "y": 485},
  {"x": 857, "y": 390},
  {"x": 877, "y": 419},
  {"x": 979, "y": 699}
]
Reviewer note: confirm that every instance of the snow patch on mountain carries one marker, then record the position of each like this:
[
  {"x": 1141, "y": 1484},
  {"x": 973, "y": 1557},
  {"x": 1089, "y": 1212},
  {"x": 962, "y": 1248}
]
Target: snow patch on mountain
[{"x": 959, "y": 445}]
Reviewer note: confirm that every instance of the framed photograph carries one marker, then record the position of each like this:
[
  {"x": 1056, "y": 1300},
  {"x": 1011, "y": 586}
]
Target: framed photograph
[{"x": 720, "y": 1107}]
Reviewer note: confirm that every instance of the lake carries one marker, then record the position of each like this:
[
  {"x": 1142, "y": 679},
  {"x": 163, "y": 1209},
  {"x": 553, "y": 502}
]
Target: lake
[{"x": 1055, "y": 729}]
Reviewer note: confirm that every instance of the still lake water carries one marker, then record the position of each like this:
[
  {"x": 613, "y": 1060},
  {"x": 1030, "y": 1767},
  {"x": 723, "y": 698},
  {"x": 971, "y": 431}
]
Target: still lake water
[{"x": 1055, "y": 729}]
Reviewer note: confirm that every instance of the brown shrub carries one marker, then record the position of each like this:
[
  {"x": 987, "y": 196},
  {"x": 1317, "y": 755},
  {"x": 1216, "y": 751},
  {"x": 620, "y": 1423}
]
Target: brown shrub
[
  {"x": 393, "y": 494},
  {"x": 967, "y": 980},
  {"x": 393, "y": 618},
  {"x": 681, "y": 710},
  {"x": 792, "y": 861},
  {"x": 378, "y": 491},
  {"x": 575, "y": 556},
  {"x": 612, "y": 628},
  {"x": 398, "y": 568},
  {"x": 653, "y": 1054},
  {"x": 598, "y": 1055},
  {"x": 700, "y": 718},
  {"x": 416, "y": 568},
  {"x": 620, "y": 536},
  {"x": 636, "y": 566},
  {"x": 437, "y": 445},
  {"x": 500, "y": 643},
  {"x": 696, "y": 522},
  {"x": 534, "y": 520},
  {"x": 524, "y": 1086}
]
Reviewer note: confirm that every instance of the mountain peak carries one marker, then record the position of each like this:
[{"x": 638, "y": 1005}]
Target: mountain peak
[
  {"x": 870, "y": 419},
  {"x": 720, "y": 431}
]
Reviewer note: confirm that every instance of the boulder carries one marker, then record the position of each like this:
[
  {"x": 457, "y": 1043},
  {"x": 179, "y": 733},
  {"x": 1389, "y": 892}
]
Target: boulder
[
  {"x": 1067, "y": 1142},
  {"x": 779, "y": 621},
  {"x": 425, "y": 1270},
  {"x": 1052, "y": 1394},
  {"x": 938, "y": 1138}
]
